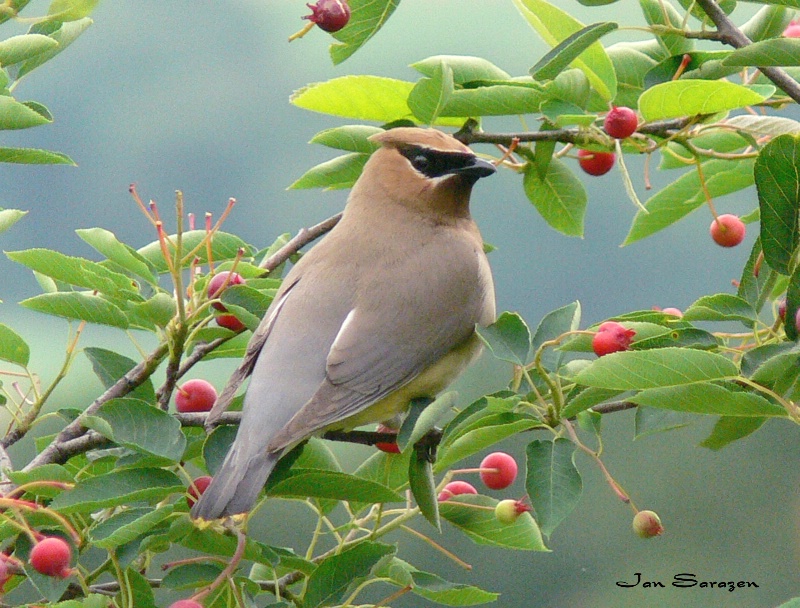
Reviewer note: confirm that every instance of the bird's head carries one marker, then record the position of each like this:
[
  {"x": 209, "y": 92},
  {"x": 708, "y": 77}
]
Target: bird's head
[{"x": 422, "y": 168}]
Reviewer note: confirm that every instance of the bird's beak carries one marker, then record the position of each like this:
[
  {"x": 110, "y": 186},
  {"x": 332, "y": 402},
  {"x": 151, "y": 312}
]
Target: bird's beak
[{"x": 477, "y": 169}]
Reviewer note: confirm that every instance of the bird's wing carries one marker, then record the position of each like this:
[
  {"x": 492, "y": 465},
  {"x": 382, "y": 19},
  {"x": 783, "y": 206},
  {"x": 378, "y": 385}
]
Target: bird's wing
[
  {"x": 376, "y": 353},
  {"x": 254, "y": 347}
]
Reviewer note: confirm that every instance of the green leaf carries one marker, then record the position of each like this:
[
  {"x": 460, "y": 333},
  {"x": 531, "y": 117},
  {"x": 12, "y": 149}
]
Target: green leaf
[
  {"x": 759, "y": 126},
  {"x": 71, "y": 10},
  {"x": 560, "y": 197},
  {"x": 768, "y": 22},
  {"x": 337, "y": 173},
  {"x": 638, "y": 370},
  {"x": 34, "y": 156},
  {"x": 12, "y": 347},
  {"x": 118, "y": 488},
  {"x": 19, "y": 48},
  {"x": 76, "y": 305},
  {"x": 45, "y": 472},
  {"x": 366, "y": 18},
  {"x": 662, "y": 12},
  {"x": 508, "y": 338},
  {"x": 76, "y": 271},
  {"x": 586, "y": 398},
  {"x": 430, "y": 95},
  {"x": 495, "y": 100},
  {"x": 687, "y": 337},
  {"x": 777, "y": 180},
  {"x": 486, "y": 431},
  {"x": 792, "y": 603},
  {"x": 777, "y": 51},
  {"x": 140, "y": 426},
  {"x": 217, "y": 445},
  {"x": 390, "y": 470},
  {"x": 555, "y": 25},
  {"x": 706, "y": 398},
  {"x": 359, "y": 97},
  {"x": 9, "y": 217},
  {"x": 224, "y": 246},
  {"x": 553, "y": 482},
  {"x": 64, "y": 33},
  {"x": 730, "y": 429},
  {"x": 689, "y": 97},
  {"x": 721, "y": 307},
  {"x": 474, "y": 515},
  {"x": 465, "y": 69},
  {"x": 430, "y": 415},
  {"x": 630, "y": 65},
  {"x": 300, "y": 482},
  {"x": 569, "y": 49},
  {"x": 684, "y": 195},
  {"x": 121, "y": 254},
  {"x": 16, "y": 115},
  {"x": 557, "y": 322},
  {"x": 343, "y": 571},
  {"x": 350, "y": 138},
  {"x": 110, "y": 367},
  {"x": 441, "y": 591},
  {"x": 126, "y": 526},
  {"x": 190, "y": 576},
  {"x": 157, "y": 311},
  {"x": 423, "y": 487}
]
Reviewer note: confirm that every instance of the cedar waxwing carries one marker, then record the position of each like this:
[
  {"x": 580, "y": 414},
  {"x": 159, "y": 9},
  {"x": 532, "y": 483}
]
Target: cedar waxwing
[{"x": 382, "y": 311}]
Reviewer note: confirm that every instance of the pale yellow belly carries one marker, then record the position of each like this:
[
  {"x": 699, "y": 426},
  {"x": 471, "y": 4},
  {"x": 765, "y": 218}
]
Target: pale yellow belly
[{"x": 428, "y": 384}]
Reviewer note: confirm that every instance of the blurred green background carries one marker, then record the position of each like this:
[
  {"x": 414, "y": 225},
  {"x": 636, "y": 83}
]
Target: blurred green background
[{"x": 194, "y": 96}]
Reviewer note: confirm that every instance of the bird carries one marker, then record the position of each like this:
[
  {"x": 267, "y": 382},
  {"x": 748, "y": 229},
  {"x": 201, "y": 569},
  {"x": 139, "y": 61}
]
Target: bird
[{"x": 382, "y": 311}]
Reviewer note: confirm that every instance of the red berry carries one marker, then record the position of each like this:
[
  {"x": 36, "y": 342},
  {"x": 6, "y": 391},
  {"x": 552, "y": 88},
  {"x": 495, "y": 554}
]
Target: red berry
[
  {"x": 611, "y": 337},
  {"x": 454, "y": 488},
  {"x": 51, "y": 556},
  {"x": 195, "y": 395},
  {"x": 185, "y": 604},
  {"x": 221, "y": 281},
  {"x": 390, "y": 447},
  {"x": 596, "y": 163},
  {"x": 197, "y": 488},
  {"x": 501, "y": 470},
  {"x": 507, "y": 511},
  {"x": 792, "y": 30},
  {"x": 620, "y": 122},
  {"x": 727, "y": 230},
  {"x": 329, "y": 15},
  {"x": 230, "y": 322},
  {"x": 782, "y": 310},
  {"x": 647, "y": 524}
]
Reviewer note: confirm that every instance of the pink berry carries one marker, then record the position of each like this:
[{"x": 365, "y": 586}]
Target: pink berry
[
  {"x": 51, "y": 556},
  {"x": 4, "y": 573},
  {"x": 507, "y": 511},
  {"x": 230, "y": 322},
  {"x": 611, "y": 337},
  {"x": 647, "y": 524},
  {"x": 596, "y": 163},
  {"x": 195, "y": 395},
  {"x": 792, "y": 30},
  {"x": 454, "y": 488},
  {"x": 390, "y": 447},
  {"x": 329, "y": 15},
  {"x": 675, "y": 312},
  {"x": 221, "y": 281},
  {"x": 197, "y": 488},
  {"x": 185, "y": 604},
  {"x": 782, "y": 310},
  {"x": 727, "y": 230},
  {"x": 620, "y": 122},
  {"x": 500, "y": 470}
]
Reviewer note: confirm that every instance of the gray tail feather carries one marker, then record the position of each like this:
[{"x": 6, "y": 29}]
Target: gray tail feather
[{"x": 235, "y": 486}]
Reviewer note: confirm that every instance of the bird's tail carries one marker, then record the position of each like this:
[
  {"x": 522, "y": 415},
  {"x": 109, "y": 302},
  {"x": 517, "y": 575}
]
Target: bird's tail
[{"x": 235, "y": 487}]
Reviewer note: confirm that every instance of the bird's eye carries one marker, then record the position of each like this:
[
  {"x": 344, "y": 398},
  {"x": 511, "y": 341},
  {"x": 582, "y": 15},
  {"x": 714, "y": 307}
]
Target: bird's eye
[{"x": 420, "y": 162}]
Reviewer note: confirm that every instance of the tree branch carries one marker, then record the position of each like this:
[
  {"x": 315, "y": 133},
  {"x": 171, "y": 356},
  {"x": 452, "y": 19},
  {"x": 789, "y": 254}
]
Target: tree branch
[
  {"x": 733, "y": 36},
  {"x": 300, "y": 240}
]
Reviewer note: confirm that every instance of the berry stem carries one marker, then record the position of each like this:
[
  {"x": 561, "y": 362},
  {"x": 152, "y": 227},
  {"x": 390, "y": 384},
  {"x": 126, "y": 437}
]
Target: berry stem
[
  {"x": 306, "y": 28},
  {"x": 438, "y": 547}
]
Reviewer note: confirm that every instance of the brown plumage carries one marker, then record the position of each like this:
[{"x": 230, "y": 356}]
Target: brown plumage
[{"x": 380, "y": 312}]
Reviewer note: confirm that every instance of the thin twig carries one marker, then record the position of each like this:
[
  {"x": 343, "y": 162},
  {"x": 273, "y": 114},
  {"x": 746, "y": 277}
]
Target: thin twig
[{"x": 300, "y": 240}]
